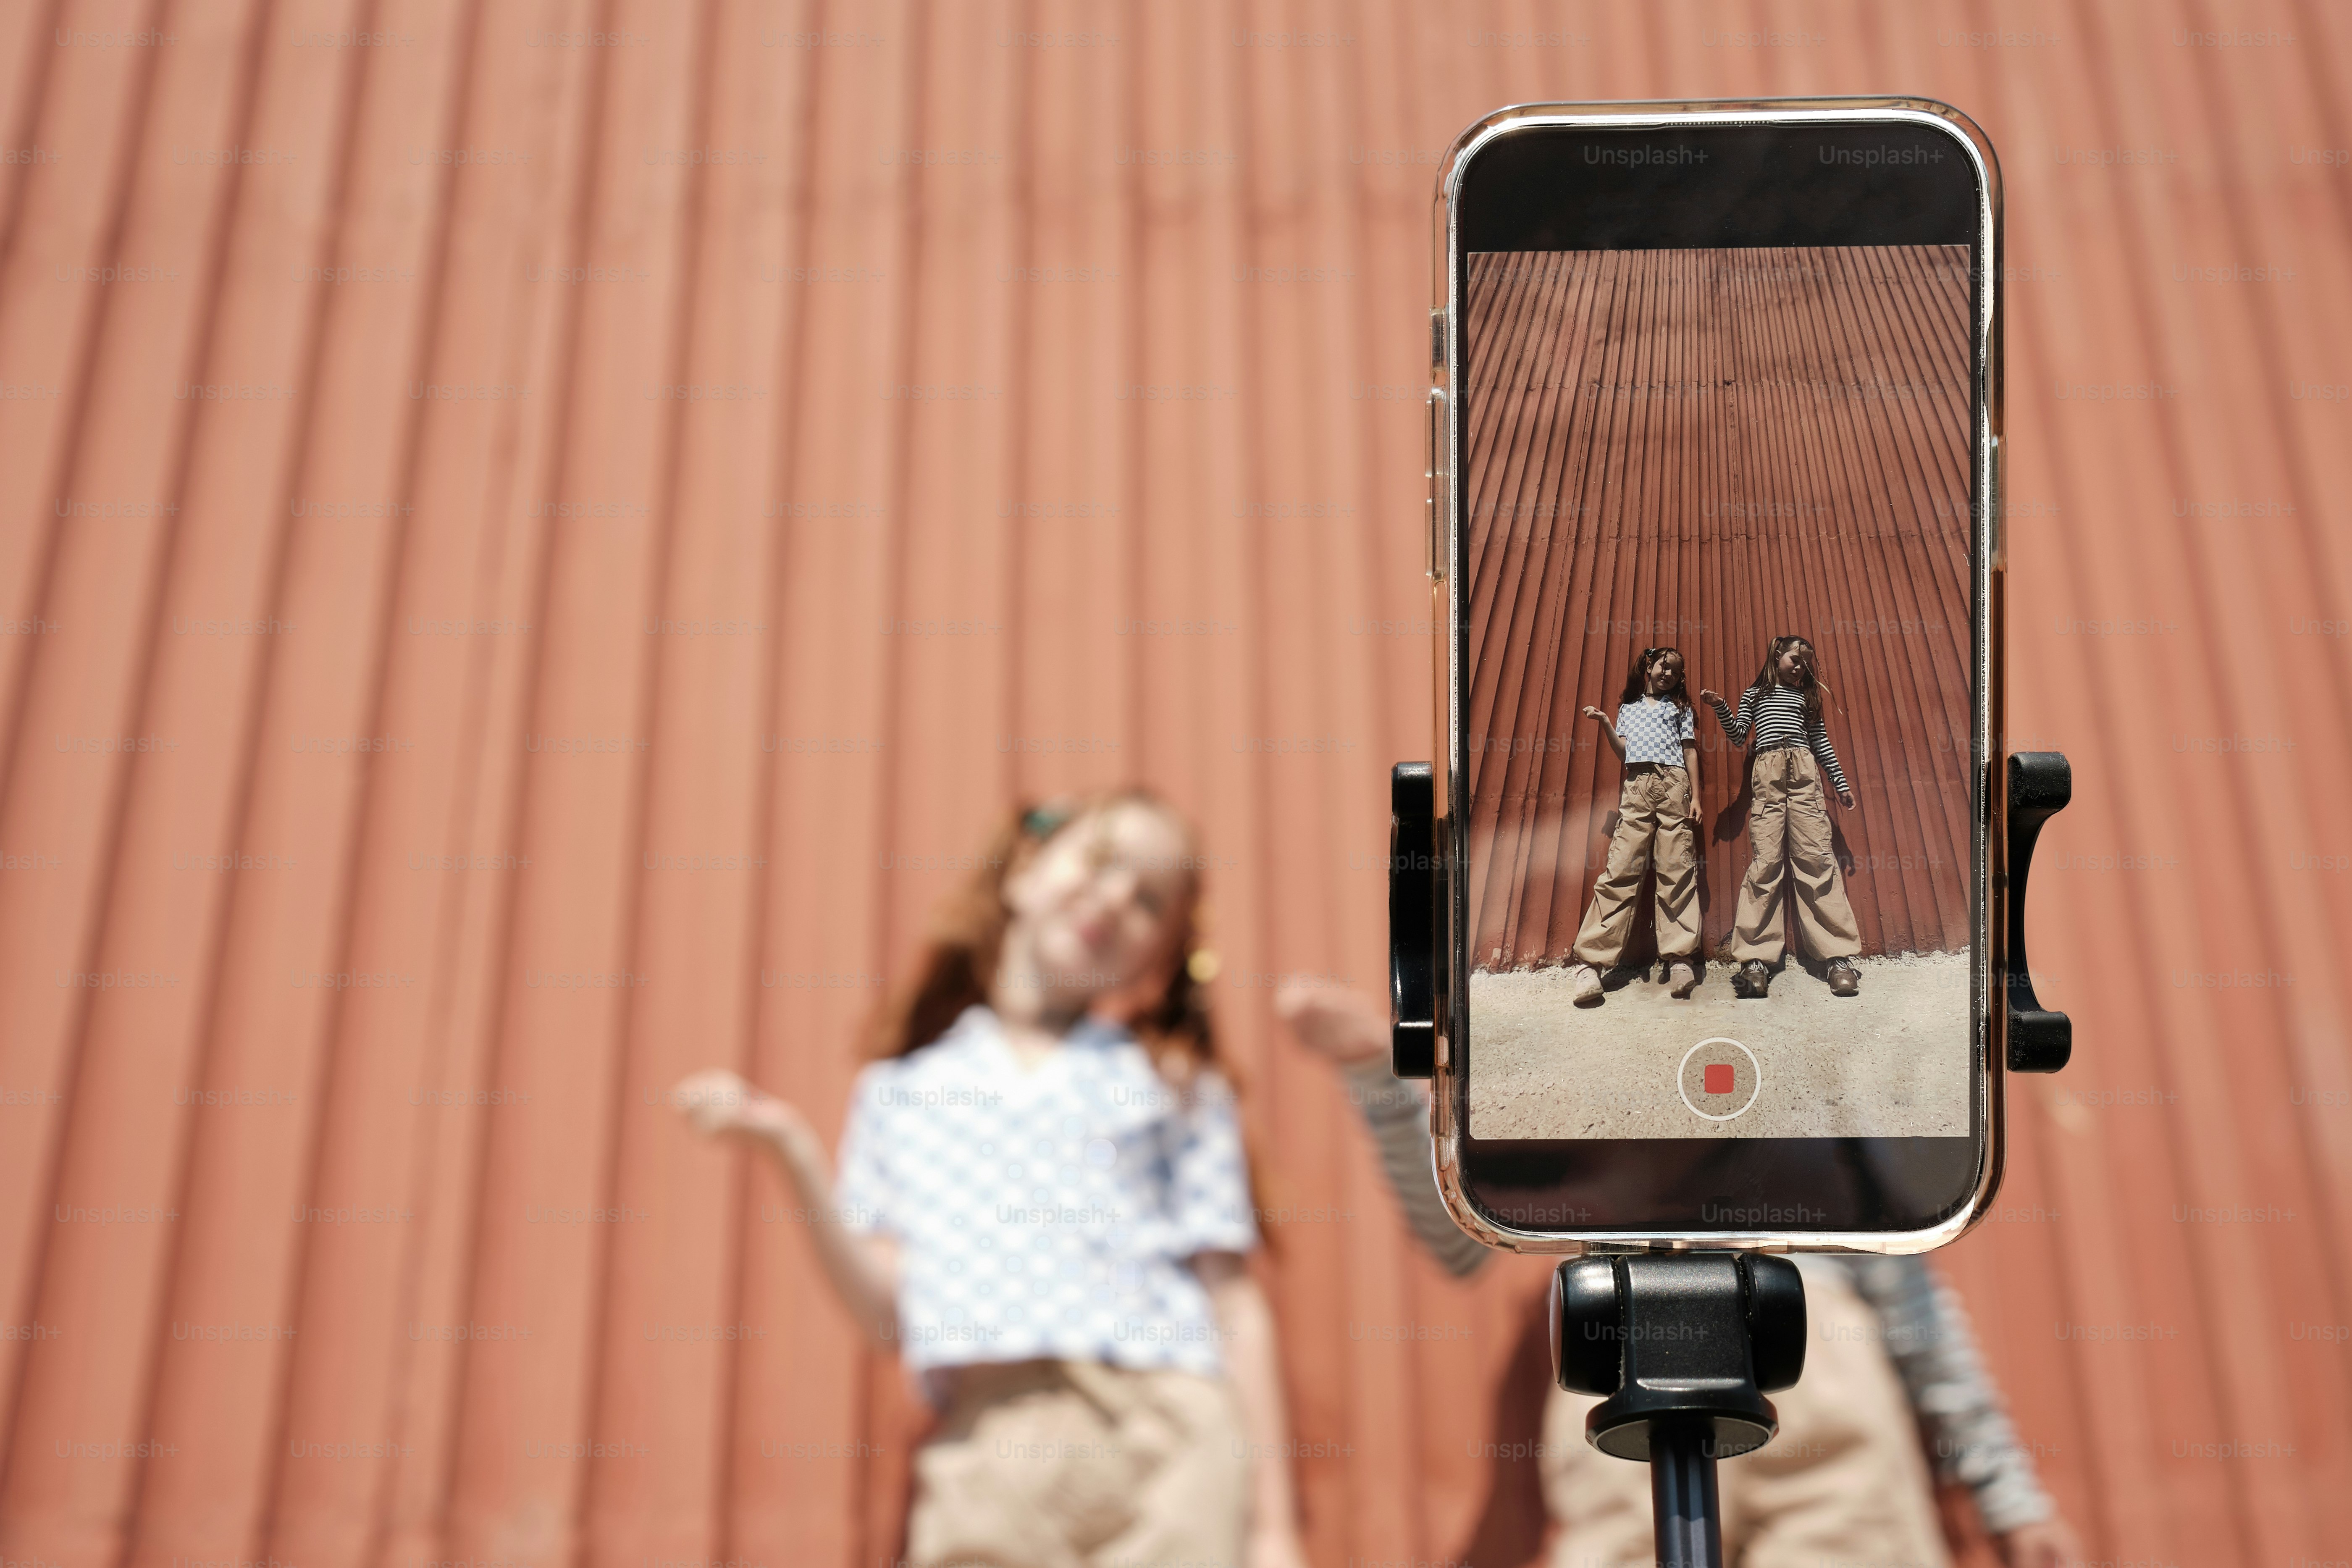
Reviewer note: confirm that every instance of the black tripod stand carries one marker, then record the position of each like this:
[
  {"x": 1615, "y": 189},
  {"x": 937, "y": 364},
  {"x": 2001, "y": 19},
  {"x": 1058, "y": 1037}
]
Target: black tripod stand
[{"x": 1684, "y": 1346}]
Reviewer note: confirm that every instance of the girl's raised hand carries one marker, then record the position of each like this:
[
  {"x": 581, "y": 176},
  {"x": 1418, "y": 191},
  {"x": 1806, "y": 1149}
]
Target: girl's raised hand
[
  {"x": 1595, "y": 713},
  {"x": 1708, "y": 694},
  {"x": 1337, "y": 1021},
  {"x": 718, "y": 1103}
]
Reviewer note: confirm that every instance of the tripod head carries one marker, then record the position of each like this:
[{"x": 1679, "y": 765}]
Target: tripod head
[
  {"x": 1694, "y": 1338},
  {"x": 1685, "y": 1345}
]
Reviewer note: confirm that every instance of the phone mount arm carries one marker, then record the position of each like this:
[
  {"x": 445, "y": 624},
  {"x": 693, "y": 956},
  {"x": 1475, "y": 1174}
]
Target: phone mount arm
[
  {"x": 1683, "y": 1346},
  {"x": 1413, "y": 926},
  {"x": 2040, "y": 786}
]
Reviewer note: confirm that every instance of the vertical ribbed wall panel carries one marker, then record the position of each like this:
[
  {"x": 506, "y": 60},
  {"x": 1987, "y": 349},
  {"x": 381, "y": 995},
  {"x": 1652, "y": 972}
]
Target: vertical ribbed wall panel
[{"x": 1109, "y": 352}]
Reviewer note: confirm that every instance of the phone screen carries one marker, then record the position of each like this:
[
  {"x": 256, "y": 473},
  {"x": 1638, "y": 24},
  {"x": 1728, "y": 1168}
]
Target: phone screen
[{"x": 1717, "y": 609}]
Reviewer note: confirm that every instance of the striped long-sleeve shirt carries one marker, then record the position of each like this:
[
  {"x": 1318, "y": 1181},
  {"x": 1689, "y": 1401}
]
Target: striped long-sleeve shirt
[
  {"x": 1925, "y": 1329},
  {"x": 1928, "y": 1337},
  {"x": 1776, "y": 717}
]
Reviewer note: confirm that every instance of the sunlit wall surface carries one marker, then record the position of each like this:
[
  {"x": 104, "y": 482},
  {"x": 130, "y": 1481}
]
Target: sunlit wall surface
[{"x": 535, "y": 537}]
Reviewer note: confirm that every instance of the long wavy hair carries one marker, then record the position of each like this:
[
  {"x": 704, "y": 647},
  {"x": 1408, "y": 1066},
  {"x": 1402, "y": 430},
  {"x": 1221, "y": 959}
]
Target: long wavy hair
[
  {"x": 1809, "y": 676},
  {"x": 1637, "y": 677},
  {"x": 959, "y": 960}
]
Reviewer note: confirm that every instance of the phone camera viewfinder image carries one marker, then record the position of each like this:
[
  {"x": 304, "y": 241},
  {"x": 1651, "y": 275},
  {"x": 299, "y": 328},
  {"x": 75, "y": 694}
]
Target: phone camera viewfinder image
[{"x": 1719, "y": 582}]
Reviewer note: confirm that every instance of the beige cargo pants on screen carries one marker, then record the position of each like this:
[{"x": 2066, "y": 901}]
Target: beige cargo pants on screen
[
  {"x": 1046, "y": 1464},
  {"x": 1844, "y": 1486},
  {"x": 1789, "y": 837},
  {"x": 1653, "y": 826}
]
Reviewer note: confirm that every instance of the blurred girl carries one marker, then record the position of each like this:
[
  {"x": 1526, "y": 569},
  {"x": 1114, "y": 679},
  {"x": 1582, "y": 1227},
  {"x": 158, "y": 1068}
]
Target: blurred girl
[
  {"x": 1656, "y": 741},
  {"x": 1779, "y": 720},
  {"x": 1044, "y": 1203}
]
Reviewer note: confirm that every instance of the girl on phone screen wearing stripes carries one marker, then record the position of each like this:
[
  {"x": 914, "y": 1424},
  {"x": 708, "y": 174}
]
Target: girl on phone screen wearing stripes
[{"x": 1789, "y": 750}]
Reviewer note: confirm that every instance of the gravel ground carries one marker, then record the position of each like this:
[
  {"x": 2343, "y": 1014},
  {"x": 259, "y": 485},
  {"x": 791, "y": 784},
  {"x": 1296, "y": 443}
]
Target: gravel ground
[{"x": 1890, "y": 1063}]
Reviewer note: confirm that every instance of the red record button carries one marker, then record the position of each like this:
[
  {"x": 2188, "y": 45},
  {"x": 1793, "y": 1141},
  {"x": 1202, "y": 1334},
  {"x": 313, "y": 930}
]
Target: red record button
[{"x": 1718, "y": 1078}]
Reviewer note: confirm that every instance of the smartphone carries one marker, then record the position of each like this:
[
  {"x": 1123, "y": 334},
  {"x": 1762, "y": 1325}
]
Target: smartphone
[{"x": 1716, "y": 415}]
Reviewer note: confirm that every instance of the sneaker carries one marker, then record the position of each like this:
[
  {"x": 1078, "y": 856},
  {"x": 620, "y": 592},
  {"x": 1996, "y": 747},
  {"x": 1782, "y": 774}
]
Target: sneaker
[
  {"x": 1753, "y": 980},
  {"x": 1585, "y": 980},
  {"x": 1846, "y": 980},
  {"x": 1681, "y": 978}
]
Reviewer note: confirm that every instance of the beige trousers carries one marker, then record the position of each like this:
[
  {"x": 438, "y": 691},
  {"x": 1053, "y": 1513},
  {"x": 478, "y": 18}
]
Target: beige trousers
[
  {"x": 1789, "y": 836},
  {"x": 1048, "y": 1464},
  {"x": 1844, "y": 1486},
  {"x": 1652, "y": 827}
]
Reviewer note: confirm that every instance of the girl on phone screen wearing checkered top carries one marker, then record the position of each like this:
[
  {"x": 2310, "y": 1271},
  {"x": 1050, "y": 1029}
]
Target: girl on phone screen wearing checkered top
[
  {"x": 1656, "y": 742},
  {"x": 1044, "y": 1204},
  {"x": 1779, "y": 722}
]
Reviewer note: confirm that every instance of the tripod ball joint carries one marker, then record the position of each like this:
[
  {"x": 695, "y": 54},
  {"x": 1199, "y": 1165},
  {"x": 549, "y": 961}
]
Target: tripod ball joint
[{"x": 1690, "y": 1339}]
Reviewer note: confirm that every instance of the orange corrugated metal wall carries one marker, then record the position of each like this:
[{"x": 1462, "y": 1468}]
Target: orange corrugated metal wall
[
  {"x": 530, "y": 532},
  {"x": 1707, "y": 449}
]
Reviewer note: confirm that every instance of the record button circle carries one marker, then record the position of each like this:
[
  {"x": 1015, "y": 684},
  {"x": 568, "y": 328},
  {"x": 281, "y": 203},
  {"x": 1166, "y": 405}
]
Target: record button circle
[{"x": 1711, "y": 1069}]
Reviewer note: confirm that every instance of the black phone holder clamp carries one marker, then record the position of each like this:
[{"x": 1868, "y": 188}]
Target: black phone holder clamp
[
  {"x": 1415, "y": 942},
  {"x": 1683, "y": 1346},
  {"x": 2039, "y": 784}
]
